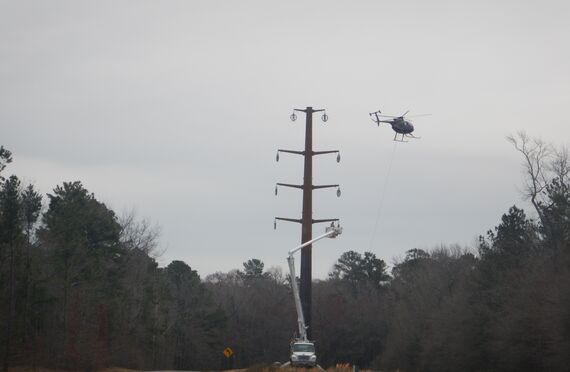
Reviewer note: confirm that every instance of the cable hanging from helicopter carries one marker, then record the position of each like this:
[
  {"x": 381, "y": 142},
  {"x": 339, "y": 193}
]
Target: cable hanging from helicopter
[{"x": 403, "y": 128}]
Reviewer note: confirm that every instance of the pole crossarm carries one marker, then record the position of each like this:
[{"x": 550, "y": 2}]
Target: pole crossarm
[
  {"x": 292, "y": 151},
  {"x": 325, "y": 220},
  {"x": 325, "y": 152},
  {"x": 297, "y": 220},
  {"x": 323, "y": 186},
  {"x": 308, "y": 109},
  {"x": 289, "y": 185}
]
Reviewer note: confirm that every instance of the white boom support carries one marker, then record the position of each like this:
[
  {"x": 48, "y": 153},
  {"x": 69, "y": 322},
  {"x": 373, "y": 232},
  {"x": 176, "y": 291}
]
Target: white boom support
[{"x": 332, "y": 232}]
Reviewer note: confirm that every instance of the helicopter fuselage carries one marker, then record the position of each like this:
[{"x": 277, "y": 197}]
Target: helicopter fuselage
[{"x": 400, "y": 125}]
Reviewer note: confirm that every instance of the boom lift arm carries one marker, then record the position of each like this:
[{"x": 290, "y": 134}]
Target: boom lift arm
[{"x": 331, "y": 232}]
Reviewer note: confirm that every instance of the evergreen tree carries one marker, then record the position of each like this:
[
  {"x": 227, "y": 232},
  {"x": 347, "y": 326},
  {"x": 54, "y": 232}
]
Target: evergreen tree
[
  {"x": 355, "y": 268},
  {"x": 81, "y": 239}
]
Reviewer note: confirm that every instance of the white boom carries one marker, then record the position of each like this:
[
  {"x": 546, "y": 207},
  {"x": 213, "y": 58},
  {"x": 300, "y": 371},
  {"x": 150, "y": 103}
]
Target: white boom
[{"x": 332, "y": 232}]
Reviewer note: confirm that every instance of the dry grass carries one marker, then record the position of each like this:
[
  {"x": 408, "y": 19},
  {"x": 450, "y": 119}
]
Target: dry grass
[
  {"x": 277, "y": 368},
  {"x": 254, "y": 368},
  {"x": 31, "y": 369},
  {"x": 41, "y": 369}
]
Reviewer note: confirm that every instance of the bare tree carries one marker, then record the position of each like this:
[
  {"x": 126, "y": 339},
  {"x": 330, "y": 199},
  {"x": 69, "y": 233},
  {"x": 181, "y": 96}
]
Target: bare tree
[
  {"x": 547, "y": 171},
  {"x": 559, "y": 165},
  {"x": 139, "y": 234},
  {"x": 537, "y": 158}
]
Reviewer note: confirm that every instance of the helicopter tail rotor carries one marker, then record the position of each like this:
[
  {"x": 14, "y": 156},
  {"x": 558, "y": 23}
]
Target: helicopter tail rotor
[{"x": 374, "y": 117}]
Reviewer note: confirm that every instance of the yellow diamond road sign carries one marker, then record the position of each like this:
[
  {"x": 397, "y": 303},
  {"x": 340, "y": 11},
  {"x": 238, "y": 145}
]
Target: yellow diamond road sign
[{"x": 228, "y": 352}]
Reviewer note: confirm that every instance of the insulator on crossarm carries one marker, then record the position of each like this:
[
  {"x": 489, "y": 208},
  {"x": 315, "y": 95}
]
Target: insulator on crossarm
[
  {"x": 338, "y": 192},
  {"x": 275, "y": 189},
  {"x": 338, "y": 157},
  {"x": 275, "y": 224},
  {"x": 277, "y": 156}
]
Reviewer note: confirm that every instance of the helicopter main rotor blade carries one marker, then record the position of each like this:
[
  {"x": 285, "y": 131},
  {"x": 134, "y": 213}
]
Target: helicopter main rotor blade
[
  {"x": 418, "y": 115},
  {"x": 404, "y": 114}
]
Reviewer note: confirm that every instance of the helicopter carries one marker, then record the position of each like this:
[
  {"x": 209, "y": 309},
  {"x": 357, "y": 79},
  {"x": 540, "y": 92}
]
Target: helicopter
[{"x": 401, "y": 126}]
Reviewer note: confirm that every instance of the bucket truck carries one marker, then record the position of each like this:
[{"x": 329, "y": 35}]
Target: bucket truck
[{"x": 302, "y": 350}]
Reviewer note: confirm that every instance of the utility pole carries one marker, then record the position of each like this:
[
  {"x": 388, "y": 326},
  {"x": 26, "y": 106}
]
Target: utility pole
[{"x": 307, "y": 220}]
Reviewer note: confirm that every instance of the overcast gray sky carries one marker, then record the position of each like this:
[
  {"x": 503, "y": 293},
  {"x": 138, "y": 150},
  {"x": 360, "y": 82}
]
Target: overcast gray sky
[{"x": 176, "y": 108}]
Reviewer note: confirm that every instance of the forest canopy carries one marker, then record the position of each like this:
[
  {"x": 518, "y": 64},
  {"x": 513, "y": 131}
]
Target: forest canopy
[{"x": 81, "y": 289}]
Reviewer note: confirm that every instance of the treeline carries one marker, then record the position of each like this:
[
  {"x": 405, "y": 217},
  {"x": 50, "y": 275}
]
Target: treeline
[{"x": 81, "y": 290}]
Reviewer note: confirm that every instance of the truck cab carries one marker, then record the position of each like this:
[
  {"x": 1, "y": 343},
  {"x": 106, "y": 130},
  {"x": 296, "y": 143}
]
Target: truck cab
[{"x": 303, "y": 354}]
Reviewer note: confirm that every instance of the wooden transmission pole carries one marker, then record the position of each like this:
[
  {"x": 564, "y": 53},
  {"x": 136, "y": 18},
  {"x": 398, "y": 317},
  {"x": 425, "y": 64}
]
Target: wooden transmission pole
[{"x": 307, "y": 220}]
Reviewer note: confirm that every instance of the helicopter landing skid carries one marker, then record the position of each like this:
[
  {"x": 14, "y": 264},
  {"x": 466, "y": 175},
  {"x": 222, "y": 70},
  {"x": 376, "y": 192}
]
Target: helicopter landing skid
[{"x": 401, "y": 138}]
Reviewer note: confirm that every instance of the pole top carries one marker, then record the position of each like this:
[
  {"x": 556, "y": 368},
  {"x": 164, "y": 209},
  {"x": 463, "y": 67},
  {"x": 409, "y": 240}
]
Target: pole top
[{"x": 309, "y": 110}]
